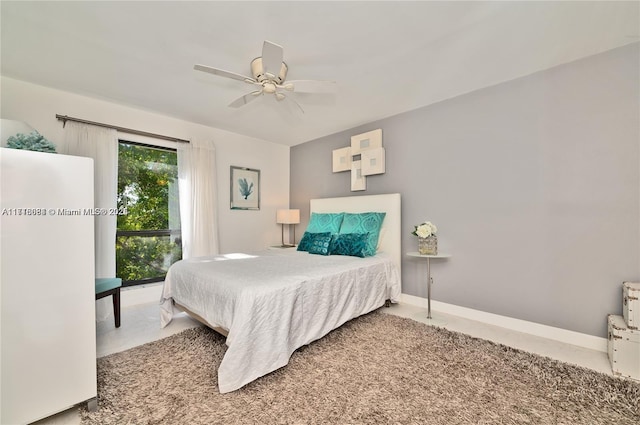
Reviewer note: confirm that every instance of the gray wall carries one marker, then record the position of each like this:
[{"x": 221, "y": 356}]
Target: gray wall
[{"x": 534, "y": 185}]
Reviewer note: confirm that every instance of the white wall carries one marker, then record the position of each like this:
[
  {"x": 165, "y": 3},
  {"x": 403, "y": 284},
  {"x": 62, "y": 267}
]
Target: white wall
[{"x": 238, "y": 230}]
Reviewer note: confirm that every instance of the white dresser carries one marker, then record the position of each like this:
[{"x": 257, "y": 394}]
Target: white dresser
[{"x": 47, "y": 303}]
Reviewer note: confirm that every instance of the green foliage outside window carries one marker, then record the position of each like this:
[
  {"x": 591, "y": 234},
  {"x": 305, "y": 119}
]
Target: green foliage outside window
[{"x": 148, "y": 240}]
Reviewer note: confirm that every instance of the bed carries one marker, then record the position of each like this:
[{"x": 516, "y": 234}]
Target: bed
[{"x": 272, "y": 302}]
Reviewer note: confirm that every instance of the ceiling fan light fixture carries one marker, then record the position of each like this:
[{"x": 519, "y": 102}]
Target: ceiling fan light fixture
[
  {"x": 269, "y": 87},
  {"x": 257, "y": 71}
]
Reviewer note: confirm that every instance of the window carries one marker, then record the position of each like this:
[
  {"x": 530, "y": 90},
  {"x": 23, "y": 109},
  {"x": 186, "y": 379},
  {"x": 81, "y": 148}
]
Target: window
[{"x": 148, "y": 235}]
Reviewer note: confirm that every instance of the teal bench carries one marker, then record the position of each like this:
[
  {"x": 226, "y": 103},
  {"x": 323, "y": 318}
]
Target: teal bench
[{"x": 110, "y": 286}]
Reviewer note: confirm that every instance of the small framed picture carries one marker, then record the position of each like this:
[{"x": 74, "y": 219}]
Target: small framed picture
[
  {"x": 358, "y": 181},
  {"x": 369, "y": 140},
  {"x": 342, "y": 159},
  {"x": 245, "y": 188},
  {"x": 373, "y": 161}
]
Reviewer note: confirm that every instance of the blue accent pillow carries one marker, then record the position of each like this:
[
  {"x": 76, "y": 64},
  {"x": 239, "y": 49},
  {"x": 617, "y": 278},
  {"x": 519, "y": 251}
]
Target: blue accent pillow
[
  {"x": 320, "y": 243},
  {"x": 308, "y": 239},
  {"x": 368, "y": 222},
  {"x": 353, "y": 244},
  {"x": 325, "y": 222}
]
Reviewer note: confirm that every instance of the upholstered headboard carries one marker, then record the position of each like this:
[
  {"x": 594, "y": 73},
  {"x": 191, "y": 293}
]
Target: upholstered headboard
[{"x": 390, "y": 235}]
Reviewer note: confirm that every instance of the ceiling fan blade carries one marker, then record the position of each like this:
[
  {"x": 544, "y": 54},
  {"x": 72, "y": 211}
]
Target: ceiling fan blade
[
  {"x": 243, "y": 100},
  {"x": 310, "y": 86},
  {"x": 272, "y": 55},
  {"x": 223, "y": 73},
  {"x": 293, "y": 101}
]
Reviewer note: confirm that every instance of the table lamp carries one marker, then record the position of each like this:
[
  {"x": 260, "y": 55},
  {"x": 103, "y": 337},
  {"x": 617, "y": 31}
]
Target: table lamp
[{"x": 288, "y": 217}]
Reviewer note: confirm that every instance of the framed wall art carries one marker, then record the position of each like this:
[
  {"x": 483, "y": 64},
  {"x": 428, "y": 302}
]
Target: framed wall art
[
  {"x": 245, "y": 188},
  {"x": 342, "y": 159},
  {"x": 358, "y": 181},
  {"x": 364, "y": 141},
  {"x": 365, "y": 157},
  {"x": 373, "y": 161}
]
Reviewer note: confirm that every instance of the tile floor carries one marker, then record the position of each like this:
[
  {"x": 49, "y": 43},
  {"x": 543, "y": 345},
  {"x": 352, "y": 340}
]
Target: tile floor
[{"x": 141, "y": 324}]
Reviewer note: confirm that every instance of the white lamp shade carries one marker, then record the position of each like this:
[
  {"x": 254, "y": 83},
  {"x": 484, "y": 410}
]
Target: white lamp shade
[{"x": 288, "y": 216}]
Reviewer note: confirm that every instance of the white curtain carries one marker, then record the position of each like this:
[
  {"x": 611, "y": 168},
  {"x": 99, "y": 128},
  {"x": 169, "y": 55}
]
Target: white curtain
[
  {"x": 101, "y": 144},
  {"x": 198, "y": 199}
]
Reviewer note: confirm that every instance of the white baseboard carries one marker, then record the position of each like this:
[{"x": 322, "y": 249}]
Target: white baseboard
[{"x": 531, "y": 328}]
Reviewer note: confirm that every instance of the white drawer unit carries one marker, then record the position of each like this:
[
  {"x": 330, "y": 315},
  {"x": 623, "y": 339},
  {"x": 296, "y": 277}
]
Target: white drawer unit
[
  {"x": 631, "y": 304},
  {"x": 623, "y": 348}
]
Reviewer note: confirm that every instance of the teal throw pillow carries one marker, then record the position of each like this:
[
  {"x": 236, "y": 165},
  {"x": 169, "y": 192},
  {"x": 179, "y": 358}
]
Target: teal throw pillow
[
  {"x": 325, "y": 222},
  {"x": 308, "y": 239},
  {"x": 320, "y": 243},
  {"x": 368, "y": 222},
  {"x": 353, "y": 244}
]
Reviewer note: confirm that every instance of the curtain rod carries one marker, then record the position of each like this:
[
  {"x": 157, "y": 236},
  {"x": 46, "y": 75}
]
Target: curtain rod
[{"x": 65, "y": 118}]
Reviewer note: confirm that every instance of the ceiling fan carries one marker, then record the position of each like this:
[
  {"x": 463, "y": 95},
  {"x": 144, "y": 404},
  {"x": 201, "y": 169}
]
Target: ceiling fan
[{"x": 269, "y": 73}]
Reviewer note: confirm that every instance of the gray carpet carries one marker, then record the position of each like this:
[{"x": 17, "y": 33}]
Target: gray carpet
[{"x": 377, "y": 369}]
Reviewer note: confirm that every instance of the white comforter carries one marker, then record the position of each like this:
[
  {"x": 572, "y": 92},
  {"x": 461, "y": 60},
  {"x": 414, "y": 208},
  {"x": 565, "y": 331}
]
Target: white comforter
[{"x": 274, "y": 302}]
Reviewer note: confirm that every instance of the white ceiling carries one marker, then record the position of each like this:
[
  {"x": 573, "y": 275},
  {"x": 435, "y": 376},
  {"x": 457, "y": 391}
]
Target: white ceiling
[{"x": 386, "y": 57}]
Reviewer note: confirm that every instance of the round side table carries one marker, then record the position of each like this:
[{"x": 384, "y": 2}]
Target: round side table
[{"x": 430, "y": 318}]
